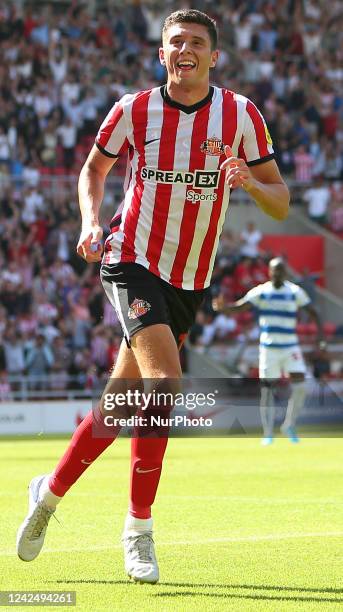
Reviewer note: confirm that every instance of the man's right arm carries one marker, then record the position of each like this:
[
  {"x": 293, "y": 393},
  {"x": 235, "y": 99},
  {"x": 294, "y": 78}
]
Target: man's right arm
[
  {"x": 241, "y": 305},
  {"x": 91, "y": 192}
]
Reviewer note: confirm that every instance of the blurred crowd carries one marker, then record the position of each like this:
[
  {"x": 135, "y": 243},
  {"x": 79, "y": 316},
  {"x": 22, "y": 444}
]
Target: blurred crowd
[
  {"x": 61, "y": 70},
  {"x": 62, "y": 66},
  {"x": 241, "y": 264}
]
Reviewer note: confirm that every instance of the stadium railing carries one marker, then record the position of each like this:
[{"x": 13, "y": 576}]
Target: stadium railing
[{"x": 23, "y": 388}]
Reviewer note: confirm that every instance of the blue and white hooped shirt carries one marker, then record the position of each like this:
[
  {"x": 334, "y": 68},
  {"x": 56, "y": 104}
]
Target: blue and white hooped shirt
[{"x": 277, "y": 312}]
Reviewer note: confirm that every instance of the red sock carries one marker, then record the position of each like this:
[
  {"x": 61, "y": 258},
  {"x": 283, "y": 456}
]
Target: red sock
[
  {"x": 146, "y": 465},
  {"x": 83, "y": 449}
]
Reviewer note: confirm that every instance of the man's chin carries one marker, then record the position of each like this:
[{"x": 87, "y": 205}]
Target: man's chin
[
  {"x": 186, "y": 74},
  {"x": 186, "y": 78}
]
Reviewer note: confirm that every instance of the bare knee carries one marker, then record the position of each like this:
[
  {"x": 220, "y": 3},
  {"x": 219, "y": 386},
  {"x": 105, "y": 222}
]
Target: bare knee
[{"x": 120, "y": 397}]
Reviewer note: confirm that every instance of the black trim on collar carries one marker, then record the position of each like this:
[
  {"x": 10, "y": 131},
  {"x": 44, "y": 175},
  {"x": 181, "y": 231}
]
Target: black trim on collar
[{"x": 183, "y": 107}]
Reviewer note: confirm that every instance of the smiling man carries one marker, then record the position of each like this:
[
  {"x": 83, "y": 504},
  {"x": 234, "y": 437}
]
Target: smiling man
[{"x": 187, "y": 144}]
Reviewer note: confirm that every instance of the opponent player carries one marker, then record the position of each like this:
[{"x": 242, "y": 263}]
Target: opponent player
[
  {"x": 278, "y": 302},
  {"x": 187, "y": 144}
]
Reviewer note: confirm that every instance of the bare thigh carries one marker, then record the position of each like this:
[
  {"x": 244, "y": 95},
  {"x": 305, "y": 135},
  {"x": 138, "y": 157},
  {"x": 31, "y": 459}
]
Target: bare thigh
[{"x": 156, "y": 352}]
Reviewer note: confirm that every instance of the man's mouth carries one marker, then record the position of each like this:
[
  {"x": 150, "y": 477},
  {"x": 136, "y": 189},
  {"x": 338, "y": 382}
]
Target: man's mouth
[{"x": 185, "y": 65}]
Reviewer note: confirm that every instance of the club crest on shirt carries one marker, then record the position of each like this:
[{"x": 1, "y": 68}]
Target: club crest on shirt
[
  {"x": 138, "y": 308},
  {"x": 213, "y": 146}
]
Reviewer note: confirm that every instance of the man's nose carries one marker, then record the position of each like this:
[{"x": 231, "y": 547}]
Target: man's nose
[{"x": 184, "y": 47}]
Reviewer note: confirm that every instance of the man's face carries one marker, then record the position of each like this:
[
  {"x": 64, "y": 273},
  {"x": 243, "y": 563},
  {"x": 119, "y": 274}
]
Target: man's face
[
  {"x": 187, "y": 54},
  {"x": 277, "y": 273}
]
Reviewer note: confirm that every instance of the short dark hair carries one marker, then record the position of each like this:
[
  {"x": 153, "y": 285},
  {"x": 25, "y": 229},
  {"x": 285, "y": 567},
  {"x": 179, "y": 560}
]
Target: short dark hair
[{"x": 193, "y": 16}]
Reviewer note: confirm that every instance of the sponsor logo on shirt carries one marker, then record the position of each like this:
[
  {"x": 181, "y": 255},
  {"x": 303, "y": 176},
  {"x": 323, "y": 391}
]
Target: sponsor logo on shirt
[
  {"x": 138, "y": 308},
  {"x": 202, "y": 179},
  {"x": 195, "y": 196},
  {"x": 213, "y": 146}
]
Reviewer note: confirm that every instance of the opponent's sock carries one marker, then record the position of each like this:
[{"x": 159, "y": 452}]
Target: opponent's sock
[
  {"x": 295, "y": 403},
  {"x": 148, "y": 446},
  {"x": 137, "y": 525},
  {"x": 80, "y": 454},
  {"x": 267, "y": 411}
]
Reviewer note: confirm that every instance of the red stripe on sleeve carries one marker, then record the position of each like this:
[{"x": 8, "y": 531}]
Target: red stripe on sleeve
[
  {"x": 139, "y": 121},
  {"x": 259, "y": 127},
  {"x": 108, "y": 126},
  {"x": 190, "y": 210},
  {"x": 229, "y": 128},
  {"x": 163, "y": 191}
]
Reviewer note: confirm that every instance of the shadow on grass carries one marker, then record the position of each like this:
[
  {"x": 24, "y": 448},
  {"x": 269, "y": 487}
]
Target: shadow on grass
[
  {"x": 37, "y": 457},
  {"x": 227, "y": 587},
  {"x": 247, "y": 596}
]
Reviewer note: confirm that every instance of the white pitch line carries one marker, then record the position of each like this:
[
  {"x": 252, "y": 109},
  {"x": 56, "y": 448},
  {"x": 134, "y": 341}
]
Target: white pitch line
[{"x": 252, "y": 538}]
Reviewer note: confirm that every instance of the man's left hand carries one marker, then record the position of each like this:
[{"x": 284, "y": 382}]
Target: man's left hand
[{"x": 237, "y": 171}]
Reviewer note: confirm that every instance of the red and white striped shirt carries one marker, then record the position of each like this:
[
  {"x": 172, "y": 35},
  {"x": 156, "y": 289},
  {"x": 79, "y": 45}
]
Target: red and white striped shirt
[{"x": 175, "y": 195}]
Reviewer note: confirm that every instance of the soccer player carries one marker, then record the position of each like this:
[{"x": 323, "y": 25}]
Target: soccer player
[
  {"x": 277, "y": 302},
  {"x": 187, "y": 144}
]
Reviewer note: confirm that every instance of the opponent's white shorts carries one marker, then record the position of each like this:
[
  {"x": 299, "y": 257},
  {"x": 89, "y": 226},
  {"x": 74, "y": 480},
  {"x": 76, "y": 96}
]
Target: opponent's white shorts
[{"x": 275, "y": 362}]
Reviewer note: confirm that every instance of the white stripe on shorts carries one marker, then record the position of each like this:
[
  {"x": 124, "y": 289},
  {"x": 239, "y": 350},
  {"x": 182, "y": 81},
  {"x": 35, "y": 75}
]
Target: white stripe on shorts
[{"x": 119, "y": 310}]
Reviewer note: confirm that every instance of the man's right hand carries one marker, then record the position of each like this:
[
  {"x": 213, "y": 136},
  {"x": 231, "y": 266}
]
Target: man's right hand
[
  {"x": 89, "y": 246},
  {"x": 218, "y": 303}
]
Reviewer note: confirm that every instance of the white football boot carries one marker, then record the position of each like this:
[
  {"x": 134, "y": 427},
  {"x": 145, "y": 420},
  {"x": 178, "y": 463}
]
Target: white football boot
[
  {"x": 140, "y": 559},
  {"x": 31, "y": 533}
]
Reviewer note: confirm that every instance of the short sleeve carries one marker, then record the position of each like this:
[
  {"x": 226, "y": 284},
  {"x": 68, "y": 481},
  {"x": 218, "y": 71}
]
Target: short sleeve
[
  {"x": 256, "y": 145},
  {"x": 301, "y": 297},
  {"x": 253, "y": 296},
  {"x": 112, "y": 138},
  {"x": 307, "y": 195}
]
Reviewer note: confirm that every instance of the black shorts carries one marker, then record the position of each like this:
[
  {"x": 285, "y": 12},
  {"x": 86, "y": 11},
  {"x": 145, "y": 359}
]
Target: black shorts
[{"x": 140, "y": 299}]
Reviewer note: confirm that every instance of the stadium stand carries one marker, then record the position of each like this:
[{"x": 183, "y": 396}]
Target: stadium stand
[{"x": 62, "y": 67}]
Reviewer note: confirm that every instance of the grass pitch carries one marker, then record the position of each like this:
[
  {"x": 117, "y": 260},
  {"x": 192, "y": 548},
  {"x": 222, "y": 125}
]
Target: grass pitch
[{"x": 237, "y": 527}]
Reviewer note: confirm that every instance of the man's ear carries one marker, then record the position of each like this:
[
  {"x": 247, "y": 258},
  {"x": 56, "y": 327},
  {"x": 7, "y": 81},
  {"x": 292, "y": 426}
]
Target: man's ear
[
  {"x": 161, "y": 56},
  {"x": 214, "y": 58}
]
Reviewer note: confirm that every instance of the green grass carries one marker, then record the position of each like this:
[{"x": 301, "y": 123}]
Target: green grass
[{"x": 237, "y": 527}]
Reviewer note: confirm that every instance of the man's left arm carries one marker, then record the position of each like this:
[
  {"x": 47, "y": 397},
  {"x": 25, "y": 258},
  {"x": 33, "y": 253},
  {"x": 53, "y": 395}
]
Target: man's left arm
[
  {"x": 262, "y": 181},
  {"x": 313, "y": 314},
  {"x": 269, "y": 190}
]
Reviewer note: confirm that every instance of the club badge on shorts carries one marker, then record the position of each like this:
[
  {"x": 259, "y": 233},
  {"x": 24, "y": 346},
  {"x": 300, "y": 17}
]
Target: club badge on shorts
[
  {"x": 213, "y": 146},
  {"x": 138, "y": 308}
]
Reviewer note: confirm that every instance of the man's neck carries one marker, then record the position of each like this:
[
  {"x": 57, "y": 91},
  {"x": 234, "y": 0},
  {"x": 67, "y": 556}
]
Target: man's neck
[{"x": 187, "y": 95}]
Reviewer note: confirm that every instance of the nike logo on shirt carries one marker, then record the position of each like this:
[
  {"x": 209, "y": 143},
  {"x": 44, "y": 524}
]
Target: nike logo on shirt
[{"x": 146, "y": 142}]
